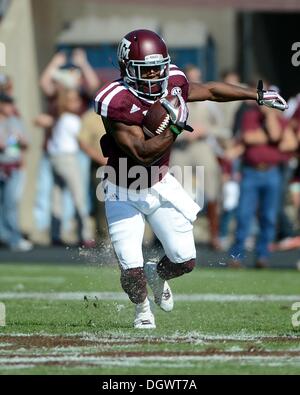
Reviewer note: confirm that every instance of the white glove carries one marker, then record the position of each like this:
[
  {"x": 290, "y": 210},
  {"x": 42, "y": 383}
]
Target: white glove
[
  {"x": 270, "y": 98},
  {"x": 179, "y": 115}
]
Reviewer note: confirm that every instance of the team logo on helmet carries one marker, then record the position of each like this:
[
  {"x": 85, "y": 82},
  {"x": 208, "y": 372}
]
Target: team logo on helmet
[{"x": 124, "y": 48}]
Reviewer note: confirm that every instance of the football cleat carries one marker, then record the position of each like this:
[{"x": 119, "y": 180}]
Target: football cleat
[
  {"x": 144, "y": 319},
  {"x": 161, "y": 290}
]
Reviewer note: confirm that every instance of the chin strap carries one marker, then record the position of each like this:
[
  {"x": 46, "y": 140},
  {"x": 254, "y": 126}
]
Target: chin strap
[{"x": 270, "y": 98}]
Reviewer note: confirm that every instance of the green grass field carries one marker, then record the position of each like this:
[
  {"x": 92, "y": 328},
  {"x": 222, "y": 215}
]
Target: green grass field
[{"x": 74, "y": 319}]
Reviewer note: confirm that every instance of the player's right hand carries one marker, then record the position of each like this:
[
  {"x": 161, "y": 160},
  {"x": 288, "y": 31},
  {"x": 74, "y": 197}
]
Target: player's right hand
[{"x": 178, "y": 115}]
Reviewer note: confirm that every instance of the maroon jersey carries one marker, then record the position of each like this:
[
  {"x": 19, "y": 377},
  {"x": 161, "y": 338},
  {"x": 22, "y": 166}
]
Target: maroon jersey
[
  {"x": 257, "y": 154},
  {"x": 117, "y": 102}
]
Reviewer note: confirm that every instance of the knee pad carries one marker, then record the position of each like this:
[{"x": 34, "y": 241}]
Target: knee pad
[
  {"x": 134, "y": 283},
  {"x": 167, "y": 269}
]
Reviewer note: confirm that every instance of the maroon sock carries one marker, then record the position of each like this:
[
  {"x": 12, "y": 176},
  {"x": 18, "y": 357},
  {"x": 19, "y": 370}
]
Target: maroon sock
[
  {"x": 167, "y": 269},
  {"x": 134, "y": 283}
]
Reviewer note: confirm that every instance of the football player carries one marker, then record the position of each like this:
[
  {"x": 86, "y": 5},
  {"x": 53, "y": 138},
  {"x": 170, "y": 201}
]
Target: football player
[{"x": 147, "y": 75}]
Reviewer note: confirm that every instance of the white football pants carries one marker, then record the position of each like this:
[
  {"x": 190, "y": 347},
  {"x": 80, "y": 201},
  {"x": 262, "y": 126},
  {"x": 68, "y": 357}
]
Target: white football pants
[{"x": 167, "y": 208}]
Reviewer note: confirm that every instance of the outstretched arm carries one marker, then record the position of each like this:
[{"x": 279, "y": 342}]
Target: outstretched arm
[
  {"x": 219, "y": 91},
  {"x": 222, "y": 92}
]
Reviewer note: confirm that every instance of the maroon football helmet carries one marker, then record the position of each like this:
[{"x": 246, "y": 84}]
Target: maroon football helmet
[{"x": 141, "y": 54}]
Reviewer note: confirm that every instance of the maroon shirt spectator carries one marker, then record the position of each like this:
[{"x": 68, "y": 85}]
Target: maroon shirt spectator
[
  {"x": 295, "y": 125},
  {"x": 261, "y": 155}
]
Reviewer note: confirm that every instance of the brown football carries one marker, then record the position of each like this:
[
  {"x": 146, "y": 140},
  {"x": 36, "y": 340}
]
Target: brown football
[{"x": 157, "y": 118}]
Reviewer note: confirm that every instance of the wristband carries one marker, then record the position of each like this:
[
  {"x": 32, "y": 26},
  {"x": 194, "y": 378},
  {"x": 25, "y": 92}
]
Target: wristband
[{"x": 176, "y": 130}]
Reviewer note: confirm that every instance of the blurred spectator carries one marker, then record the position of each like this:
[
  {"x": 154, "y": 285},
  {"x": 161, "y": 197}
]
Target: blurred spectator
[
  {"x": 62, "y": 73},
  {"x": 75, "y": 73},
  {"x": 197, "y": 149},
  {"x": 286, "y": 238},
  {"x": 295, "y": 192},
  {"x": 294, "y": 103},
  {"x": 285, "y": 232},
  {"x": 229, "y": 160},
  {"x": 294, "y": 124},
  {"x": 63, "y": 149},
  {"x": 6, "y": 85},
  {"x": 13, "y": 141},
  {"x": 229, "y": 109},
  {"x": 266, "y": 147},
  {"x": 92, "y": 129},
  {"x": 230, "y": 165}
]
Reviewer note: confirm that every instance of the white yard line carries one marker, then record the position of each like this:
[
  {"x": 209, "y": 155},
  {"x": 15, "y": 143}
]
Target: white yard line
[
  {"x": 76, "y": 354},
  {"x": 122, "y": 296},
  {"x": 153, "y": 360}
]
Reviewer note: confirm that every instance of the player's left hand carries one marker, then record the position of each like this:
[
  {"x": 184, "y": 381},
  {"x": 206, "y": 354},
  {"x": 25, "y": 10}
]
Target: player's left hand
[
  {"x": 178, "y": 115},
  {"x": 270, "y": 98}
]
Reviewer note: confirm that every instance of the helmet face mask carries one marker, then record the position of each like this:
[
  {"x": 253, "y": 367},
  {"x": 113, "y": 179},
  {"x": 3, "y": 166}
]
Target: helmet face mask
[
  {"x": 144, "y": 63},
  {"x": 136, "y": 77}
]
